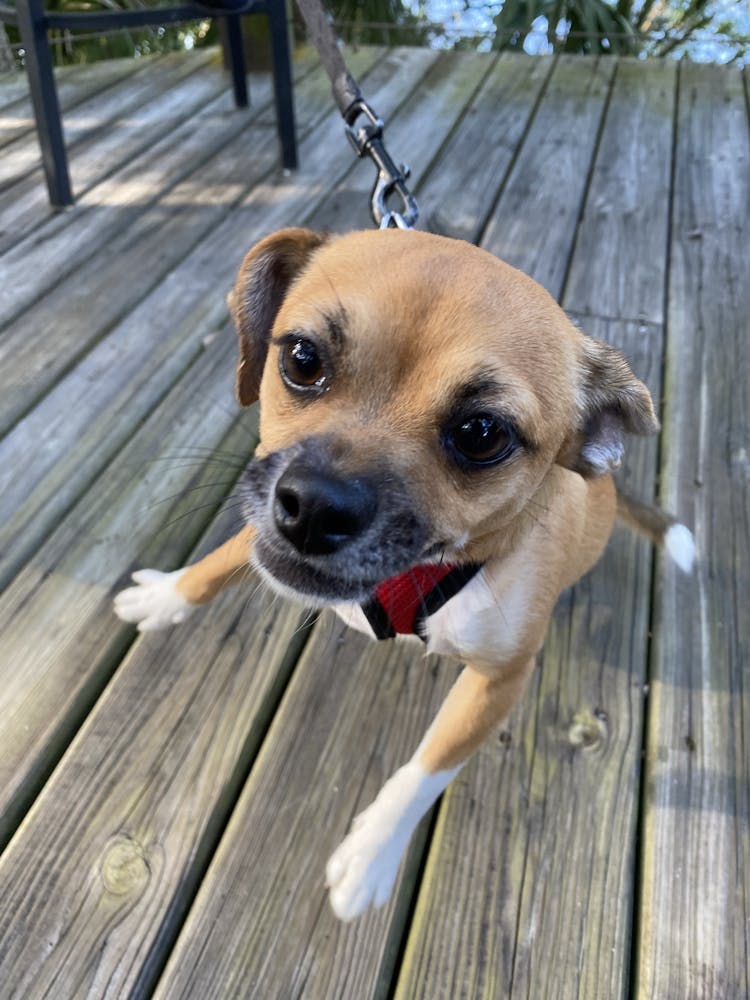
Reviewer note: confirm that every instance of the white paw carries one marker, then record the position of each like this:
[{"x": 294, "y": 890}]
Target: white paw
[
  {"x": 363, "y": 868},
  {"x": 154, "y": 602}
]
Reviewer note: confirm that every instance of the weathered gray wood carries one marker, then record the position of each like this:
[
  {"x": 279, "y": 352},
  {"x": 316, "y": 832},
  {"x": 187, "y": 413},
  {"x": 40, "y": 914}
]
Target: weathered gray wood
[
  {"x": 261, "y": 925},
  {"x": 127, "y": 99},
  {"x": 413, "y": 138},
  {"x": 535, "y": 847},
  {"x": 464, "y": 182},
  {"x": 58, "y": 637},
  {"x": 693, "y": 937},
  {"x": 530, "y": 880},
  {"x": 622, "y": 233},
  {"x": 72, "y": 238},
  {"x": 120, "y": 380},
  {"x": 534, "y": 222},
  {"x": 179, "y": 112},
  {"x": 14, "y": 86},
  {"x": 73, "y": 86},
  {"x": 145, "y": 247},
  {"x": 164, "y": 755},
  {"x": 528, "y": 890}
]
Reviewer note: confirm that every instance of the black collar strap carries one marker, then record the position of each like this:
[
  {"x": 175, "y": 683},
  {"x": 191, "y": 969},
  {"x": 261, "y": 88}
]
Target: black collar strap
[{"x": 401, "y": 604}]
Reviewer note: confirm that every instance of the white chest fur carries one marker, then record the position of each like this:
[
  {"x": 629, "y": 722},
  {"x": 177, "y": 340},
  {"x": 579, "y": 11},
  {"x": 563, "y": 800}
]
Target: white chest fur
[{"x": 481, "y": 624}]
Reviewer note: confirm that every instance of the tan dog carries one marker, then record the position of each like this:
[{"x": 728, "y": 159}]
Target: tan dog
[{"x": 434, "y": 458}]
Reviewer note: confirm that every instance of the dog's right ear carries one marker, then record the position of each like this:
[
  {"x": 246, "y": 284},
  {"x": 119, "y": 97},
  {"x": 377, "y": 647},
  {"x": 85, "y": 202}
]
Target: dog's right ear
[{"x": 264, "y": 279}]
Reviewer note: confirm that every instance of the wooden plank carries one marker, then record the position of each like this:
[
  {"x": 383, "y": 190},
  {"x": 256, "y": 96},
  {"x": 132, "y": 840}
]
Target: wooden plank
[
  {"x": 64, "y": 588},
  {"x": 534, "y": 222},
  {"x": 693, "y": 935},
  {"x": 58, "y": 638},
  {"x": 71, "y": 238},
  {"x": 533, "y": 852},
  {"x": 91, "y": 897},
  {"x": 548, "y": 865},
  {"x": 261, "y": 924},
  {"x": 21, "y": 160},
  {"x": 25, "y": 205},
  {"x": 631, "y": 183},
  {"x": 14, "y": 86},
  {"x": 73, "y": 86},
  {"x": 125, "y": 374},
  {"x": 145, "y": 248},
  {"x": 484, "y": 145},
  {"x": 413, "y": 137}
]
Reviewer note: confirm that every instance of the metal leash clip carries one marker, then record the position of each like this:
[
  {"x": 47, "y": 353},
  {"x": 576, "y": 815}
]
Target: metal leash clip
[{"x": 367, "y": 140}]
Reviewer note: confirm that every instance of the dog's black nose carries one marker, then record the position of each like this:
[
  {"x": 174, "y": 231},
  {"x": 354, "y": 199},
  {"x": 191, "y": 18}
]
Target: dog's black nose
[{"x": 320, "y": 512}]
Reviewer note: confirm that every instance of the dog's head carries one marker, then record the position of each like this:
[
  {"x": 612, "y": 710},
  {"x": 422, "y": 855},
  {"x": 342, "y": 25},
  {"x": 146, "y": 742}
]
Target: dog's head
[{"x": 415, "y": 392}]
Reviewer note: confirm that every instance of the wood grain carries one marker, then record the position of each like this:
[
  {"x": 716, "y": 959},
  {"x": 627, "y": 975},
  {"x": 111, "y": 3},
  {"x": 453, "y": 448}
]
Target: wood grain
[
  {"x": 693, "y": 936},
  {"x": 138, "y": 91},
  {"x": 124, "y": 375},
  {"x": 534, "y": 851},
  {"x": 542, "y": 880},
  {"x": 414, "y": 137},
  {"x": 92, "y": 896},
  {"x": 261, "y": 924},
  {"x": 623, "y": 230},
  {"x": 25, "y": 204},
  {"x": 534, "y": 222},
  {"x": 73, "y": 85},
  {"x": 144, "y": 248},
  {"x": 58, "y": 638},
  {"x": 465, "y": 178},
  {"x": 534, "y": 848}
]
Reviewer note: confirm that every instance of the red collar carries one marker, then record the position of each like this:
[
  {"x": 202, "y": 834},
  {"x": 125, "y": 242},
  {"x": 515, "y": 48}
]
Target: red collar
[{"x": 401, "y": 604}]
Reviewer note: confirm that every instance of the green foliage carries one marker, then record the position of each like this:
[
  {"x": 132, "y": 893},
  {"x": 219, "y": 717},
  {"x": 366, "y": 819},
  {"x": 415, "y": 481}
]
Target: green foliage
[
  {"x": 634, "y": 27},
  {"x": 370, "y": 22}
]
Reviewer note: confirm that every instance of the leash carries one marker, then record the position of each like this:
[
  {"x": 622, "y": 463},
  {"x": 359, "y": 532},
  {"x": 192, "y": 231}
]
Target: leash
[{"x": 363, "y": 127}]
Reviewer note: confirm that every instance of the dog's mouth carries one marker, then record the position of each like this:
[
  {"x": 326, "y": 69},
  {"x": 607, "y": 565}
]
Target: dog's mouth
[
  {"x": 319, "y": 585},
  {"x": 326, "y": 537}
]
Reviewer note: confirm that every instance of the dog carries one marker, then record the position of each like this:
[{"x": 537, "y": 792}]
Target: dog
[{"x": 435, "y": 458}]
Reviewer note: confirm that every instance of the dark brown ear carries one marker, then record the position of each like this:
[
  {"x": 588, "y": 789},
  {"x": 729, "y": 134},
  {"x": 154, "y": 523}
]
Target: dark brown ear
[
  {"x": 266, "y": 273},
  {"x": 612, "y": 401}
]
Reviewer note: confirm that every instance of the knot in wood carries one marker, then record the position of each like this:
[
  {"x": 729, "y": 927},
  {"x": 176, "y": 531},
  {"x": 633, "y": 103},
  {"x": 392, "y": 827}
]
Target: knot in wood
[
  {"x": 588, "y": 729},
  {"x": 124, "y": 868}
]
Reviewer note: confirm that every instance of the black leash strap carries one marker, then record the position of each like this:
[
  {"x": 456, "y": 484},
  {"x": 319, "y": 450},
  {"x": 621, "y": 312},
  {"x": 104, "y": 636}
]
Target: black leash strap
[{"x": 367, "y": 136}]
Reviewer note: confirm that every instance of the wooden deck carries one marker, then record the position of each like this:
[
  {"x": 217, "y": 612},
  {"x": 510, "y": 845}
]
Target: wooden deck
[{"x": 167, "y": 803}]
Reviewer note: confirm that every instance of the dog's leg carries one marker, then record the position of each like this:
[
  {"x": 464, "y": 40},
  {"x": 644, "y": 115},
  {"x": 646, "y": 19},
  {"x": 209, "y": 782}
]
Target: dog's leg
[
  {"x": 162, "y": 599},
  {"x": 363, "y": 868}
]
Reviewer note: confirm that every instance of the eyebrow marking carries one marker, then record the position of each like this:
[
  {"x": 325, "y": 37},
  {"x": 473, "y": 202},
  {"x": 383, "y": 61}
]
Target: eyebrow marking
[
  {"x": 335, "y": 326},
  {"x": 483, "y": 383}
]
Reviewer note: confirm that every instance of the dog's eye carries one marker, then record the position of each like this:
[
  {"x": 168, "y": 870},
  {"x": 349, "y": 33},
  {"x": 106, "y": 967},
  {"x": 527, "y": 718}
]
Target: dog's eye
[
  {"x": 301, "y": 365},
  {"x": 483, "y": 439}
]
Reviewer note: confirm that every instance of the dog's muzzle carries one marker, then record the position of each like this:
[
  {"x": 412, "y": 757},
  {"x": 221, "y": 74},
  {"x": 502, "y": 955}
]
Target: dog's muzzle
[
  {"x": 320, "y": 512},
  {"x": 325, "y": 533}
]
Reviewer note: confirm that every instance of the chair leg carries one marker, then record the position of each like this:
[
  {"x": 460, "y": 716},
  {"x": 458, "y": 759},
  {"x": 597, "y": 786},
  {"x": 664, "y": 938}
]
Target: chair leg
[
  {"x": 234, "y": 51},
  {"x": 282, "y": 83},
  {"x": 31, "y": 24}
]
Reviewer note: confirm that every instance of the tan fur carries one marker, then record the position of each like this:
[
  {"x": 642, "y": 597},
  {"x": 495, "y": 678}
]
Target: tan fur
[
  {"x": 409, "y": 324},
  {"x": 421, "y": 315},
  {"x": 475, "y": 706},
  {"x": 643, "y": 517},
  {"x": 202, "y": 581}
]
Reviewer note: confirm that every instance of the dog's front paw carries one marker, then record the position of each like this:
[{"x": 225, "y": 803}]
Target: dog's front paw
[
  {"x": 363, "y": 868},
  {"x": 154, "y": 602}
]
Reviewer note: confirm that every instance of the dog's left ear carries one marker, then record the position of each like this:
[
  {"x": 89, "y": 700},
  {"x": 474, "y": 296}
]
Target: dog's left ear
[
  {"x": 611, "y": 401},
  {"x": 265, "y": 276}
]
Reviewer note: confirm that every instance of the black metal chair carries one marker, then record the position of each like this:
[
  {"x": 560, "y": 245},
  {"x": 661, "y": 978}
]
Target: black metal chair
[{"x": 33, "y": 23}]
